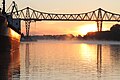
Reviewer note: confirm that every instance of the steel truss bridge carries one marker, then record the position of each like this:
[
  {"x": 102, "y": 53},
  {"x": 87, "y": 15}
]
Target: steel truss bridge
[{"x": 99, "y": 15}]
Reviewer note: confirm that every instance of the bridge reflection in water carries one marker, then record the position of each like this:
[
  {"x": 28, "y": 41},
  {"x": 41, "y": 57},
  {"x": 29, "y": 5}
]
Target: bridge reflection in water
[
  {"x": 10, "y": 64},
  {"x": 27, "y": 62},
  {"x": 99, "y": 60},
  {"x": 29, "y": 59}
]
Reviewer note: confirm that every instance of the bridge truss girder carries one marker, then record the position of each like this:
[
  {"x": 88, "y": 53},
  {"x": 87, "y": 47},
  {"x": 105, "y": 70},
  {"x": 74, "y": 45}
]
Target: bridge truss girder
[{"x": 99, "y": 15}]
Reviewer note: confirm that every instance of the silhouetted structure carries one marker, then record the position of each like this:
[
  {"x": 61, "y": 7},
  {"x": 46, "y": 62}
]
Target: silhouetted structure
[
  {"x": 113, "y": 34},
  {"x": 99, "y": 15}
]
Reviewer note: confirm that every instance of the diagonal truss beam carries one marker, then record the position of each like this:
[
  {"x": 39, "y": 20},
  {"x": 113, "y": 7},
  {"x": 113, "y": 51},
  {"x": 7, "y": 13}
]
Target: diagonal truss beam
[{"x": 89, "y": 16}]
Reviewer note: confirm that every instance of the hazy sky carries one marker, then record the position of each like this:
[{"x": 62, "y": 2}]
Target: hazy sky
[
  {"x": 65, "y": 6},
  {"x": 68, "y": 5}
]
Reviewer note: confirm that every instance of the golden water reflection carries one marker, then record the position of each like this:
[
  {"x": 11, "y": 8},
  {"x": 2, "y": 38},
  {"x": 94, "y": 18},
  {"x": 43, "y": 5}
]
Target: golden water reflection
[
  {"x": 60, "y": 60},
  {"x": 86, "y": 52}
]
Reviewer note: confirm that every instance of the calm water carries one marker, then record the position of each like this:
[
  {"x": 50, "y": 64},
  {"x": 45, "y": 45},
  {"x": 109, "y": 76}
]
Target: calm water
[{"x": 62, "y": 60}]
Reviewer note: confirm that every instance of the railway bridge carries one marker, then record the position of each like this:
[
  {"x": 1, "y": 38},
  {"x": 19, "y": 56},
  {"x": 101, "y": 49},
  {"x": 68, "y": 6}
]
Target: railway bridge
[{"x": 28, "y": 14}]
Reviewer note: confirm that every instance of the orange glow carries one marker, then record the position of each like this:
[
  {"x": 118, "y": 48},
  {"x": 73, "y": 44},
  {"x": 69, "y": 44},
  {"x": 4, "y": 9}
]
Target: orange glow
[
  {"x": 58, "y": 28},
  {"x": 14, "y": 34},
  {"x": 83, "y": 30}
]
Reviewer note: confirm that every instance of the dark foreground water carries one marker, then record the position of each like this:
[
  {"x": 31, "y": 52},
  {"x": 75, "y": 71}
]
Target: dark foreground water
[{"x": 62, "y": 60}]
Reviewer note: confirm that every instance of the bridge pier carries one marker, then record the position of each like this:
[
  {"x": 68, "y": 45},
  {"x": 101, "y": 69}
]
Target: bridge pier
[
  {"x": 99, "y": 26},
  {"x": 27, "y": 22},
  {"x": 27, "y": 25}
]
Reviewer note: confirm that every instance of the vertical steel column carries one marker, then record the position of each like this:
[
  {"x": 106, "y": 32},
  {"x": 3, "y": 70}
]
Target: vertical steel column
[
  {"x": 99, "y": 20},
  {"x": 99, "y": 26},
  {"x": 3, "y": 11},
  {"x": 27, "y": 22}
]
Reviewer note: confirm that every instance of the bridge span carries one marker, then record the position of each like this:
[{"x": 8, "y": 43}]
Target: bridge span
[{"x": 99, "y": 15}]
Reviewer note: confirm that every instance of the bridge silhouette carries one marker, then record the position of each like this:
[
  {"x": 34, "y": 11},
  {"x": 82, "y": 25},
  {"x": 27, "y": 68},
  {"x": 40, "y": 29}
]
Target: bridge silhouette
[{"x": 99, "y": 15}]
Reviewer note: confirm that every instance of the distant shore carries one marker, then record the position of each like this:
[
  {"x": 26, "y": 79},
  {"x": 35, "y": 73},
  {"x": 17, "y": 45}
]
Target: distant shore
[{"x": 104, "y": 35}]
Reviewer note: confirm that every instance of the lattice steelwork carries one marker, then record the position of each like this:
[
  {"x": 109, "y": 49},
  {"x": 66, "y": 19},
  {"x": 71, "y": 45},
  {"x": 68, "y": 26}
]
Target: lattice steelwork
[{"x": 99, "y": 15}]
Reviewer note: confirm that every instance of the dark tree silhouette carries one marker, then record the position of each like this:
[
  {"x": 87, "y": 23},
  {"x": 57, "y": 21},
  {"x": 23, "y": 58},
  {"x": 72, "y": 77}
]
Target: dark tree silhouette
[{"x": 115, "y": 28}]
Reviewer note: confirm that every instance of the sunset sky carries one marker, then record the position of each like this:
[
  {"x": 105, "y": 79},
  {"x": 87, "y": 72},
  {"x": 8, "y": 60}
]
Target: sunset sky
[{"x": 67, "y": 6}]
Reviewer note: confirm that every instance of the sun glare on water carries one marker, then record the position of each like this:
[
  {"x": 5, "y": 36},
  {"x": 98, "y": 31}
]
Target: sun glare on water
[{"x": 83, "y": 30}]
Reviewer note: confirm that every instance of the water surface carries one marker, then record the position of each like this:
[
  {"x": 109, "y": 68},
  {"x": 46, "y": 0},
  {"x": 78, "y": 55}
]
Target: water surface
[{"x": 67, "y": 60}]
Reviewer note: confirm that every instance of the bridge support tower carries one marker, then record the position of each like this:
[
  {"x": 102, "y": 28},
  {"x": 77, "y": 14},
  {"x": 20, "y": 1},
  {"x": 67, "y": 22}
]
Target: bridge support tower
[
  {"x": 99, "y": 20},
  {"x": 27, "y": 25},
  {"x": 99, "y": 26},
  {"x": 27, "y": 22}
]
